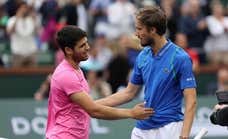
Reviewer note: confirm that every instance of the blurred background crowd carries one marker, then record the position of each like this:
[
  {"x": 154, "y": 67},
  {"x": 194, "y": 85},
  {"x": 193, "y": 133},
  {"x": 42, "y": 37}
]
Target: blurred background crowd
[{"x": 28, "y": 27}]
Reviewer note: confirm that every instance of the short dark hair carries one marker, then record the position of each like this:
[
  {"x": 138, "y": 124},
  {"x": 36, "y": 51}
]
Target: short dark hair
[
  {"x": 69, "y": 35},
  {"x": 153, "y": 16}
]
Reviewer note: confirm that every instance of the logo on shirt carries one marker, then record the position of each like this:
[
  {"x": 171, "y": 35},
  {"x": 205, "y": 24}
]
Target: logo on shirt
[
  {"x": 166, "y": 70},
  {"x": 190, "y": 79}
]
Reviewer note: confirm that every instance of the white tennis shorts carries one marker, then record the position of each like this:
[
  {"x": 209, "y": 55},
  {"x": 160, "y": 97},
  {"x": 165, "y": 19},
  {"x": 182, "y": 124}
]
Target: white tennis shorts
[{"x": 170, "y": 131}]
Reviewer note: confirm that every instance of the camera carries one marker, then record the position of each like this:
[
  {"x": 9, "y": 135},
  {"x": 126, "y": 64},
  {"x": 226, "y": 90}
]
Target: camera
[{"x": 220, "y": 116}]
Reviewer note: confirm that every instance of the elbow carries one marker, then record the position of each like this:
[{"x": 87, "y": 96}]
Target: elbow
[
  {"x": 131, "y": 98},
  {"x": 130, "y": 95},
  {"x": 193, "y": 105},
  {"x": 94, "y": 111},
  {"x": 94, "y": 114}
]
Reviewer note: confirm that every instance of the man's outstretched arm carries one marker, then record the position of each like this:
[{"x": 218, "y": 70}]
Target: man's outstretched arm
[
  {"x": 123, "y": 96},
  {"x": 104, "y": 112}
]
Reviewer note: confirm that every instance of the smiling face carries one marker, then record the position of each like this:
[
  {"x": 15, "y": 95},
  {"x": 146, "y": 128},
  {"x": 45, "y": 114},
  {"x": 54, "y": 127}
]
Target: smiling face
[
  {"x": 81, "y": 50},
  {"x": 73, "y": 41},
  {"x": 150, "y": 24},
  {"x": 143, "y": 34}
]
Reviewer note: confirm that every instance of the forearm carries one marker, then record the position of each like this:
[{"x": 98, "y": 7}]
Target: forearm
[
  {"x": 116, "y": 99},
  {"x": 109, "y": 113},
  {"x": 104, "y": 112},
  {"x": 123, "y": 96},
  {"x": 188, "y": 119}
]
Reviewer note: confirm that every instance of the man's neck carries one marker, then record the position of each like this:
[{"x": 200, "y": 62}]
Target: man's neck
[
  {"x": 74, "y": 64},
  {"x": 159, "y": 42}
]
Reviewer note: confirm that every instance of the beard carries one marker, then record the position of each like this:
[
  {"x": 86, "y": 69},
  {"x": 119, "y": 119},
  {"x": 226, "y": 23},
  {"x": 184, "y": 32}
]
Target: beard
[
  {"x": 148, "y": 41},
  {"x": 79, "y": 58}
]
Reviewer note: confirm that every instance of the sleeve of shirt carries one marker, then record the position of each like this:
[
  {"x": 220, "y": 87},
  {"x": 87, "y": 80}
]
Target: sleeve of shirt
[
  {"x": 136, "y": 76},
  {"x": 70, "y": 83},
  {"x": 11, "y": 22},
  {"x": 187, "y": 79}
]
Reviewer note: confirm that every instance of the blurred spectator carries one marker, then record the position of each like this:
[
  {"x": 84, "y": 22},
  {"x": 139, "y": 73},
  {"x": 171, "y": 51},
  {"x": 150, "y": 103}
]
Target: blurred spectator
[
  {"x": 3, "y": 22},
  {"x": 118, "y": 69},
  {"x": 49, "y": 12},
  {"x": 193, "y": 24},
  {"x": 99, "y": 88},
  {"x": 43, "y": 90},
  {"x": 172, "y": 11},
  {"x": 182, "y": 41},
  {"x": 216, "y": 45},
  {"x": 4, "y": 41},
  {"x": 120, "y": 18},
  {"x": 104, "y": 53},
  {"x": 220, "y": 84},
  {"x": 75, "y": 13},
  {"x": 36, "y": 4},
  {"x": 144, "y": 3},
  {"x": 98, "y": 13},
  {"x": 222, "y": 79},
  {"x": 22, "y": 29},
  {"x": 12, "y": 6},
  {"x": 131, "y": 43}
]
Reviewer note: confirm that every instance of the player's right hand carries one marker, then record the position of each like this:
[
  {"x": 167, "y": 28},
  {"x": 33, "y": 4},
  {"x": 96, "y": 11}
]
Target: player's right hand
[{"x": 140, "y": 112}]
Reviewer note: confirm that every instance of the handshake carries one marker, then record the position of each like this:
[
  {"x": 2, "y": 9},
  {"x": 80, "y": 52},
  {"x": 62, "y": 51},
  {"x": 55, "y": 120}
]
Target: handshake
[{"x": 220, "y": 114}]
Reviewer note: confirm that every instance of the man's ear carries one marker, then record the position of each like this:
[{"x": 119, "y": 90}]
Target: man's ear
[
  {"x": 68, "y": 50},
  {"x": 153, "y": 30}
]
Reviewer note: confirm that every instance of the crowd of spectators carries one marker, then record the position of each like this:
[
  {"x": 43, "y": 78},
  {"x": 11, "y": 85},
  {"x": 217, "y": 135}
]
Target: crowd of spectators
[{"x": 29, "y": 26}]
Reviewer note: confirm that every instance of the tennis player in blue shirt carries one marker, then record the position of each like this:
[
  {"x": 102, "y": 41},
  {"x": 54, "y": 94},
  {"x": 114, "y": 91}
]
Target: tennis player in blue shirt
[{"x": 166, "y": 71}]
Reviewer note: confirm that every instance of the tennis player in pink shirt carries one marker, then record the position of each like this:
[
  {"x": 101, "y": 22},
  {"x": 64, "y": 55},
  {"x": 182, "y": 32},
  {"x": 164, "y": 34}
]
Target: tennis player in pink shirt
[{"x": 69, "y": 104}]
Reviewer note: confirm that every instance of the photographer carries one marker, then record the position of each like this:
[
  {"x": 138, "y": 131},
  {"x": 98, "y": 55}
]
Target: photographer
[{"x": 220, "y": 114}]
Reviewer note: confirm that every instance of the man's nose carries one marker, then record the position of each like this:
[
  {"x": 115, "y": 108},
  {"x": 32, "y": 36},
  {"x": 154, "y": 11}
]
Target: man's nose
[{"x": 136, "y": 34}]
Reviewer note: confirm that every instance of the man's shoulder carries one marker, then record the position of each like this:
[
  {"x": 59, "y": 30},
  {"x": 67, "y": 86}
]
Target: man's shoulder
[
  {"x": 180, "y": 52},
  {"x": 145, "y": 50},
  {"x": 61, "y": 70}
]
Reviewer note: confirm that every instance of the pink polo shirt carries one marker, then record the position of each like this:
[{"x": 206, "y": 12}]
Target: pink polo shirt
[{"x": 66, "y": 120}]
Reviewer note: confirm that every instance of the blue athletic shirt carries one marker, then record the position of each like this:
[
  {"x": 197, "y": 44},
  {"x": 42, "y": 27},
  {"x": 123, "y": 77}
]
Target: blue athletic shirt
[{"x": 165, "y": 76}]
